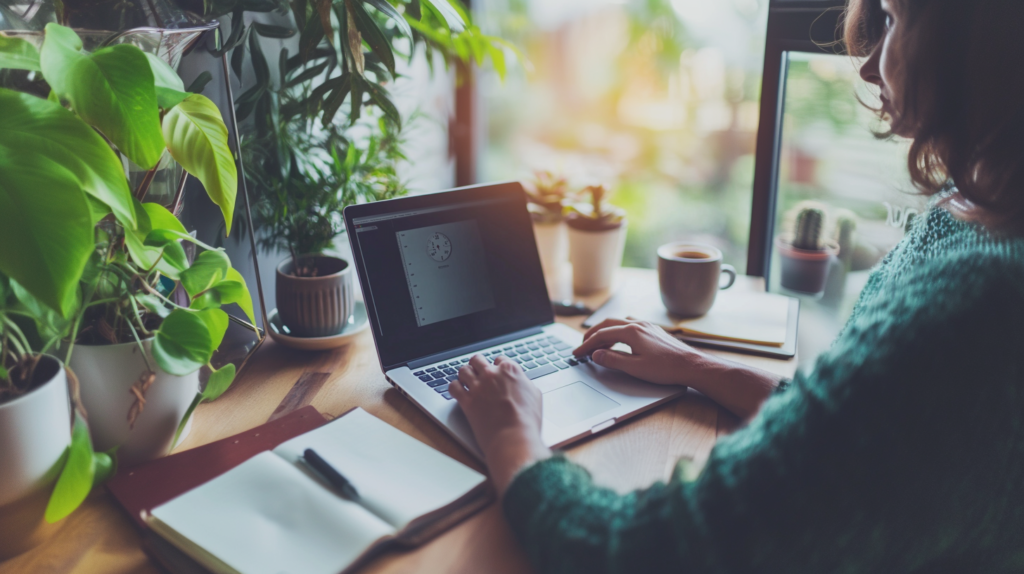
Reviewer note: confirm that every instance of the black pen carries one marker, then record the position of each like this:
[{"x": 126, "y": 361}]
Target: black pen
[{"x": 330, "y": 473}]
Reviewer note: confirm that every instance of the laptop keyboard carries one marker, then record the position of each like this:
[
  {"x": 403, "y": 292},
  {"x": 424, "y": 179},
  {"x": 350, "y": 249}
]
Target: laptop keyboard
[{"x": 538, "y": 356}]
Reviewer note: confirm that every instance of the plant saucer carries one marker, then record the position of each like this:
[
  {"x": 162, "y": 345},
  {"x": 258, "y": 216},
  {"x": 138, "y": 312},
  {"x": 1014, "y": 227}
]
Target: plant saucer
[{"x": 357, "y": 323}]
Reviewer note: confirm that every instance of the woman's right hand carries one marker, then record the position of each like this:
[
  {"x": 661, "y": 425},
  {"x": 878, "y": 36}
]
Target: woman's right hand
[
  {"x": 656, "y": 356},
  {"x": 659, "y": 358}
]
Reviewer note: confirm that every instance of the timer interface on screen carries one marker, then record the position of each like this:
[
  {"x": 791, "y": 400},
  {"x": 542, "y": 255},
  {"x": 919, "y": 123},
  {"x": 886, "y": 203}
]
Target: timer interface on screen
[{"x": 446, "y": 269}]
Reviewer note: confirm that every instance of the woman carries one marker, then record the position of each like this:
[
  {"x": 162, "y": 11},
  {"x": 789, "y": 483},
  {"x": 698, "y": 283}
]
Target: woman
[{"x": 903, "y": 449}]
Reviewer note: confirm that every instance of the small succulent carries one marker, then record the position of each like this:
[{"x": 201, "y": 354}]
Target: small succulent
[
  {"x": 547, "y": 194},
  {"x": 598, "y": 215},
  {"x": 809, "y": 229}
]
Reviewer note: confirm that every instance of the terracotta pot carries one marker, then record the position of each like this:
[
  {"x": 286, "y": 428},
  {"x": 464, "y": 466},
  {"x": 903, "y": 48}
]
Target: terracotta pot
[
  {"x": 106, "y": 374},
  {"x": 315, "y": 306},
  {"x": 35, "y": 430},
  {"x": 804, "y": 271}
]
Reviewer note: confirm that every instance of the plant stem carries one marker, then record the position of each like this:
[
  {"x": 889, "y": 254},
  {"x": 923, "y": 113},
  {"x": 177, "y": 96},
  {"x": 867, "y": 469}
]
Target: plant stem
[
  {"x": 142, "y": 349},
  {"x": 147, "y": 180}
]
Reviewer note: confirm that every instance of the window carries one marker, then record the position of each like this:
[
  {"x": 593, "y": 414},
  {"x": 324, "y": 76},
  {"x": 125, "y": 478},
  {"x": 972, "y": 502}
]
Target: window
[
  {"x": 819, "y": 153},
  {"x": 658, "y": 98}
]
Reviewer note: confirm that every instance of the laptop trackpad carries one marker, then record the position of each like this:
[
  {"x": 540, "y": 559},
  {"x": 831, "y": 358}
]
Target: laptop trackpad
[{"x": 568, "y": 405}]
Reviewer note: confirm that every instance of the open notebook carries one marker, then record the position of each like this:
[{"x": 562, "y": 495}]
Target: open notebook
[{"x": 272, "y": 514}]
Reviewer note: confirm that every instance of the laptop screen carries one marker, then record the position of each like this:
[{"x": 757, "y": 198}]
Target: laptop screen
[{"x": 449, "y": 269}]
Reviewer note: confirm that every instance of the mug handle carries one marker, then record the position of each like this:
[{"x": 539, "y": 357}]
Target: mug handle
[{"x": 731, "y": 271}]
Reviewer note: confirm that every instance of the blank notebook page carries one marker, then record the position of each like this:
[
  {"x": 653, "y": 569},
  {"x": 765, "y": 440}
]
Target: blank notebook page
[
  {"x": 397, "y": 476},
  {"x": 267, "y": 517}
]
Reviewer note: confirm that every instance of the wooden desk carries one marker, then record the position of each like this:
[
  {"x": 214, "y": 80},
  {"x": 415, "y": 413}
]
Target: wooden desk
[{"x": 99, "y": 538}]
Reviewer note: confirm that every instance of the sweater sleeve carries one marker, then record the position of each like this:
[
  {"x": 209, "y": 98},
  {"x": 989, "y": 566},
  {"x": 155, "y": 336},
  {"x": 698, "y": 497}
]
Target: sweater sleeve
[{"x": 875, "y": 461}]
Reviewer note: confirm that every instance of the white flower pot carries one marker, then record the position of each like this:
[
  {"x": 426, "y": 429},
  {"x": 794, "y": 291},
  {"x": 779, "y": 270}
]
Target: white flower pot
[
  {"x": 35, "y": 430},
  {"x": 553, "y": 246},
  {"x": 596, "y": 257},
  {"x": 106, "y": 374}
]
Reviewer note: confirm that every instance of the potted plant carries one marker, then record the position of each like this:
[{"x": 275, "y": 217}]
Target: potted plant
[
  {"x": 547, "y": 194},
  {"x": 306, "y": 165},
  {"x": 597, "y": 238},
  {"x": 144, "y": 319},
  {"x": 35, "y": 419},
  {"x": 301, "y": 213},
  {"x": 806, "y": 256}
]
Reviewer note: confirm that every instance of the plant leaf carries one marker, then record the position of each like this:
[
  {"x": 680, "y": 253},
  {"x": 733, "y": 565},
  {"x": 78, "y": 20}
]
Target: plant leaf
[
  {"x": 219, "y": 382},
  {"x": 153, "y": 304},
  {"x": 217, "y": 323},
  {"x": 182, "y": 343},
  {"x": 52, "y": 230},
  {"x": 164, "y": 75},
  {"x": 167, "y": 98},
  {"x": 372, "y": 34},
  {"x": 184, "y": 419},
  {"x": 229, "y": 294},
  {"x": 355, "y": 40},
  {"x": 209, "y": 268},
  {"x": 323, "y": 9},
  {"x": 18, "y": 54},
  {"x": 386, "y": 8},
  {"x": 76, "y": 478},
  {"x": 49, "y": 323},
  {"x": 111, "y": 89},
  {"x": 379, "y": 95},
  {"x": 29, "y": 124},
  {"x": 268, "y": 31},
  {"x": 173, "y": 260},
  {"x": 198, "y": 139},
  {"x": 449, "y": 15},
  {"x": 199, "y": 83}
]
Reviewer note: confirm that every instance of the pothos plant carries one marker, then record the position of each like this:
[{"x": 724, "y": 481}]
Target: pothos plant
[{"x": 83, "y": 258}]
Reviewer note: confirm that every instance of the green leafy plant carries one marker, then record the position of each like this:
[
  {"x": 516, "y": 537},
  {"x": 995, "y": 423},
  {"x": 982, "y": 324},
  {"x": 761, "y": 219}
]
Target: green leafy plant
[
  {"x": 300, "y": 212},
  {"x": 597, "y": 215},
  {"x": 82, "y": 258},
  {"x": 306, "y": 163}
]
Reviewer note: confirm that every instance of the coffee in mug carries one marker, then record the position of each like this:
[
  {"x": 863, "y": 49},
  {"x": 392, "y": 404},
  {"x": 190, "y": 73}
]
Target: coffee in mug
[{"x": 690, "y": 277}]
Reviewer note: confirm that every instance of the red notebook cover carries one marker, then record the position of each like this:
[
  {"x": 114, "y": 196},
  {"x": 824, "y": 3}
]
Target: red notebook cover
[{"x": 151, "y": 484}]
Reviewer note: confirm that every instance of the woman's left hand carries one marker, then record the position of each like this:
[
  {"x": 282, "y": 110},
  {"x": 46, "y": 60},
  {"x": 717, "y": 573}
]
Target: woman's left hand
[{"x": 504, "y": 410}]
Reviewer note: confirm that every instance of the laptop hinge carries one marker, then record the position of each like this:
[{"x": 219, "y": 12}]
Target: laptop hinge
[{"x": 474, "y": 347}]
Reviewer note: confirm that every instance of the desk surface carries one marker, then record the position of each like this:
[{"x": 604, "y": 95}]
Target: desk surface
[{"x": 99, "y": 538}]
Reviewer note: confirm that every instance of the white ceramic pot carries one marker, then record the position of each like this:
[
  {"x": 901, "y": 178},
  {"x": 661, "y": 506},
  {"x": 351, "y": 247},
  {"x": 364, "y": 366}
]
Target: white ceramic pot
[
  {"x": 35, "y": 430},
  {"x": 596, "y": 257},
  {"x": 553, "y": 246},
  {"x": 106, "y": 374}
]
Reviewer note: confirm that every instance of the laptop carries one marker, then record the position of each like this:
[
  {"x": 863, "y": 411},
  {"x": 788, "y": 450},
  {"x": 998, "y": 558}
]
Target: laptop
[{"x": 452, "y": 274}]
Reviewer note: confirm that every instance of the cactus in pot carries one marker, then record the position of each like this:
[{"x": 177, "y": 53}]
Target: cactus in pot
[{"x": 806, "y": 256}]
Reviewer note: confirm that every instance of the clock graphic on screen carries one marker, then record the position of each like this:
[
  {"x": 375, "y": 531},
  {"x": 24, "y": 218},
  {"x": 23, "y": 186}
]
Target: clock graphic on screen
[{"x": 439, "y": 247}]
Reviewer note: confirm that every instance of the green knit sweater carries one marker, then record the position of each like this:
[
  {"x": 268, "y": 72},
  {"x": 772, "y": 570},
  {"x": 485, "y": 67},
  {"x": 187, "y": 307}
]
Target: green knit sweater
[{"x": 901, "y": 451}]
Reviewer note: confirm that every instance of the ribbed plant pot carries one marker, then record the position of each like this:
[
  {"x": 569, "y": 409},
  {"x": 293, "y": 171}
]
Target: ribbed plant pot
[
  {"x": 315, "y": 306},
  {"x": 35, "y": 430},
  {"x": 106, "y": 374},
  {"x": 804, "y": 271}
]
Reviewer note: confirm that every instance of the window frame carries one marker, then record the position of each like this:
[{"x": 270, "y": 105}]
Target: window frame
[{"x": 811, "y": 26}]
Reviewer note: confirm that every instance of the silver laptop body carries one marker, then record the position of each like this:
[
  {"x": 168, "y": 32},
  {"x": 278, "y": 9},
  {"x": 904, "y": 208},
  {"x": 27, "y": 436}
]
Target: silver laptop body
[{"x": 449, "y": 275}]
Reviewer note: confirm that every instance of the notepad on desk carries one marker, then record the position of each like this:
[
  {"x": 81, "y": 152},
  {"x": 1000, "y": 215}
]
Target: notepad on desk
[
  {"x": 744, "y": 321},
  {"x": 272, "y": 514}
]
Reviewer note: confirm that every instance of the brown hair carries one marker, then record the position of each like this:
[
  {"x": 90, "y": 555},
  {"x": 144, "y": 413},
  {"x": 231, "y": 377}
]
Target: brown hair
[{"x": 962, "y": 68}]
